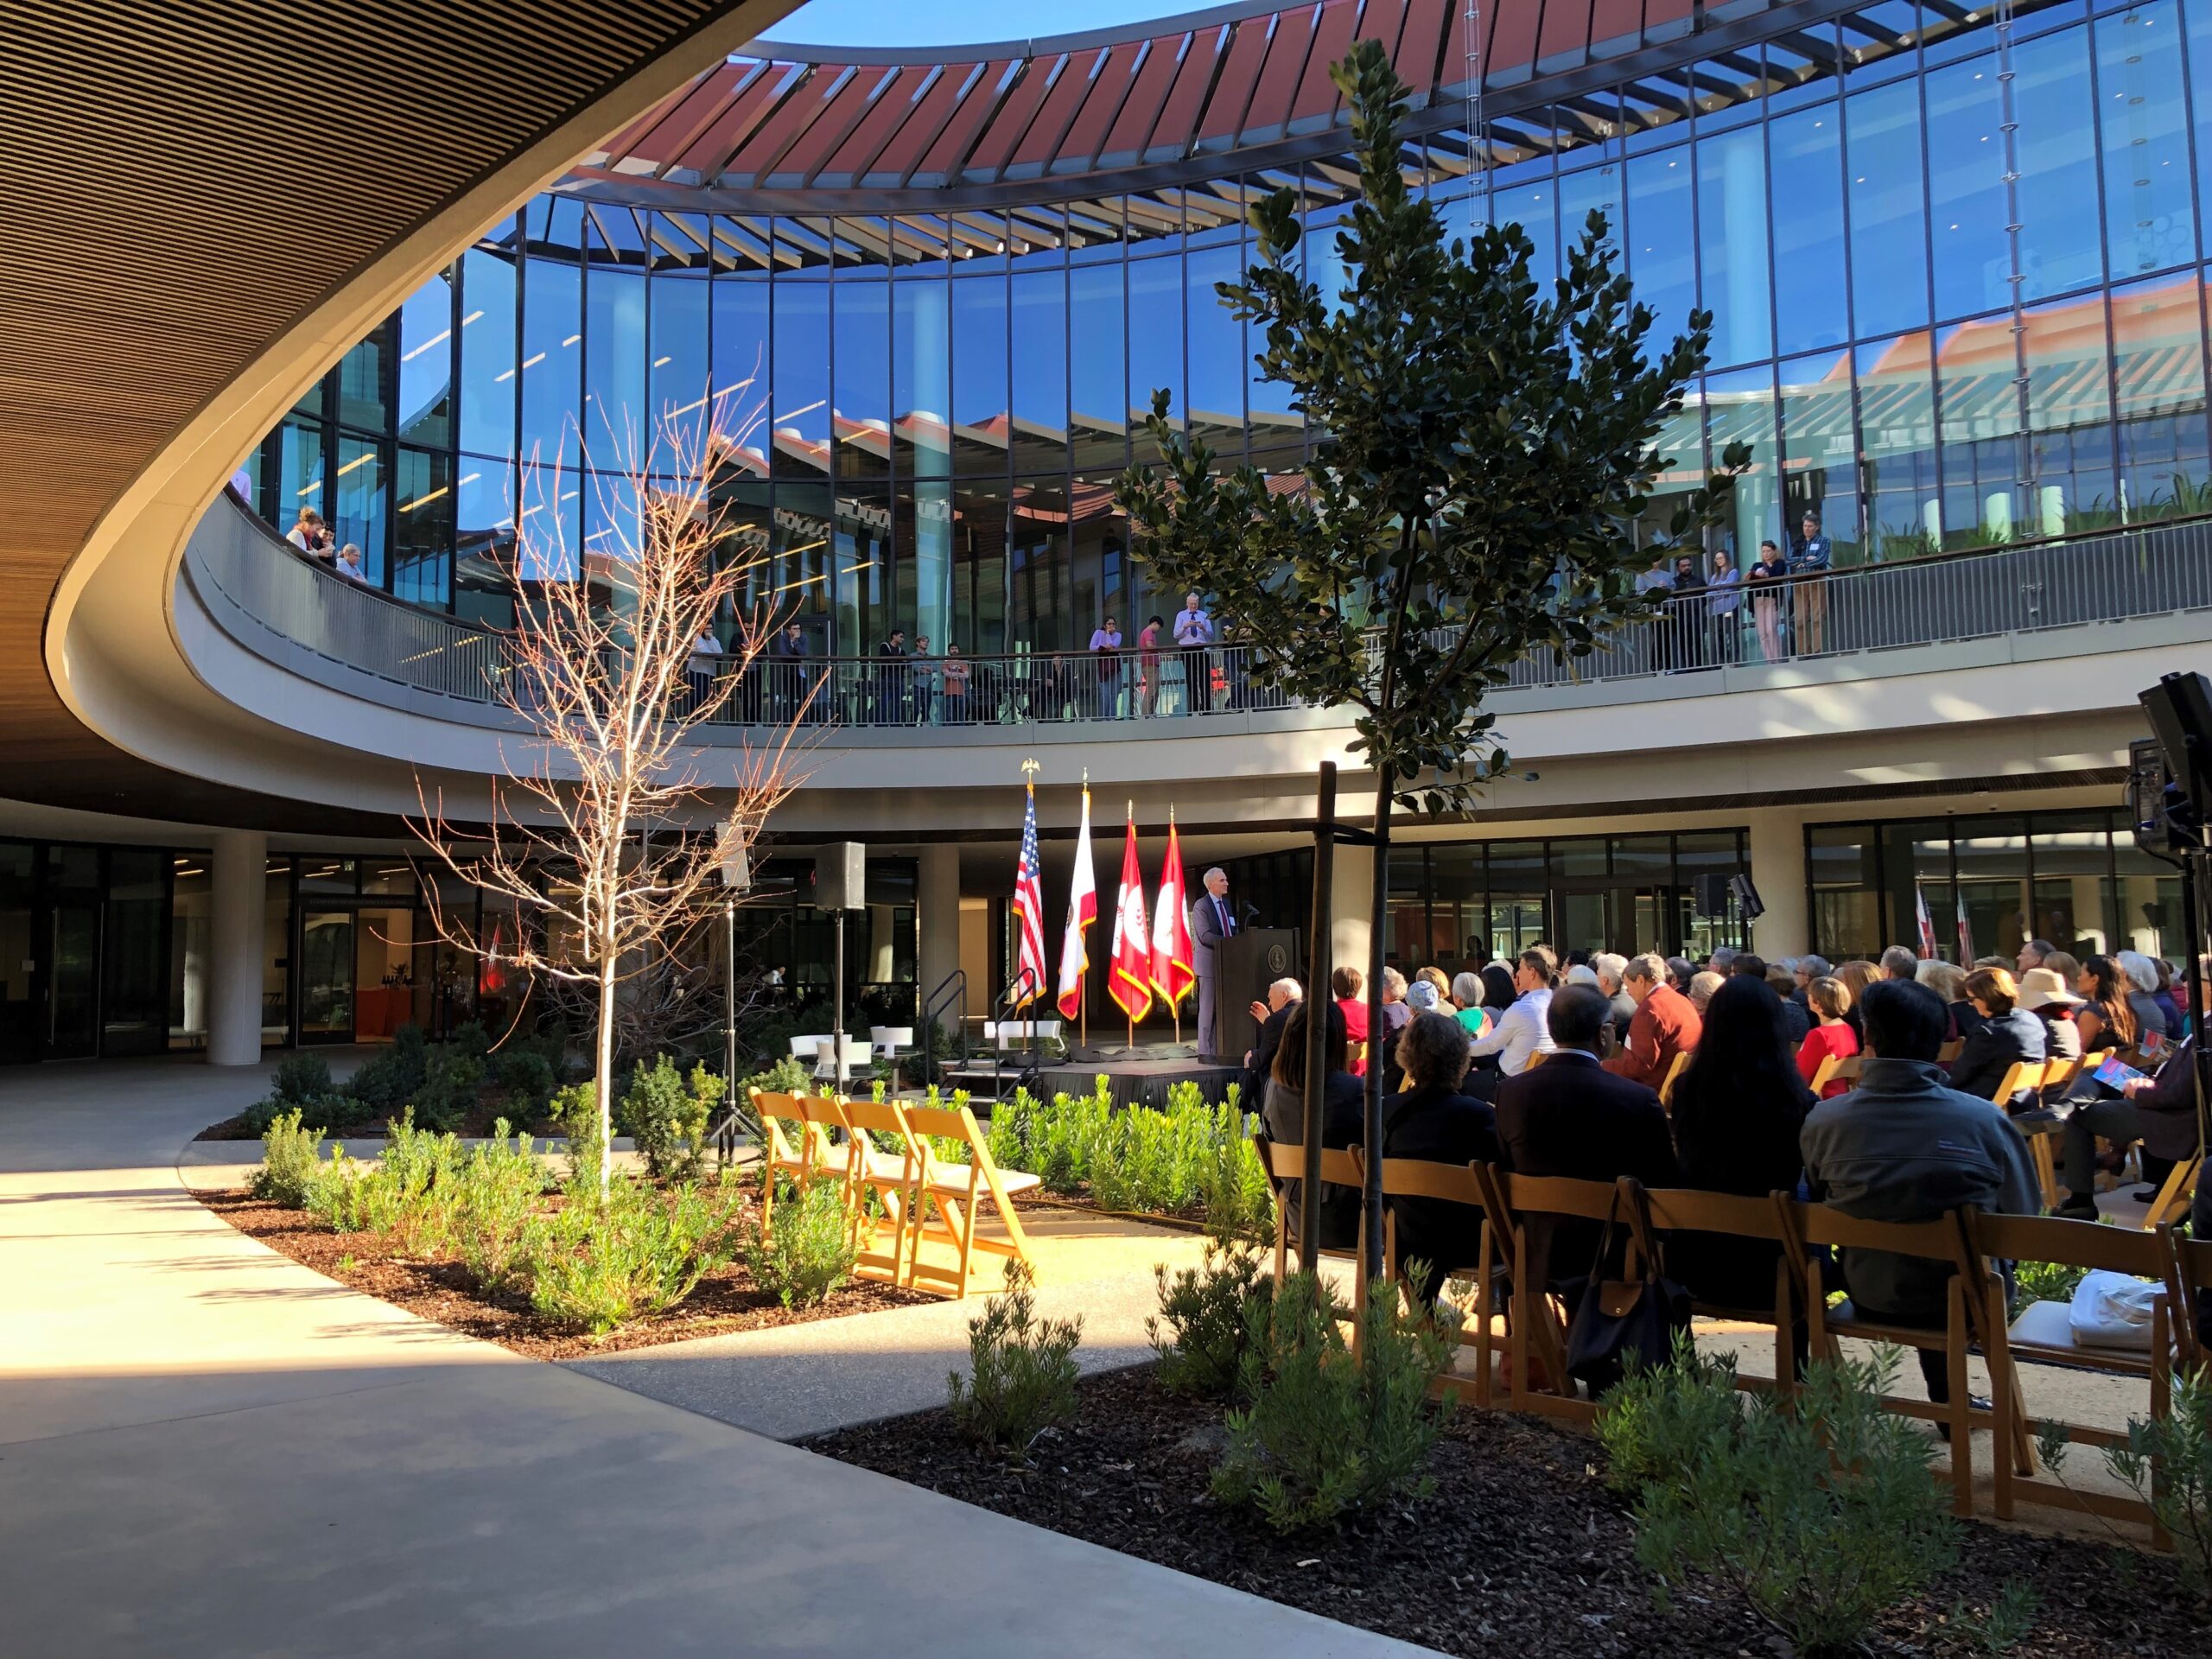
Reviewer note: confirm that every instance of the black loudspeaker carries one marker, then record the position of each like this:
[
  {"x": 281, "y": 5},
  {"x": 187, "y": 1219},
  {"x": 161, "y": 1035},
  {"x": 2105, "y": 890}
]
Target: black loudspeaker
[
  {"x": 1747, "y": 897},
  {"x": 841, "y": 876},
  {"x": 2180, "y": 710},
  {"x": 2148, "y": 796},
  {"x": 1712, "y": 895}
]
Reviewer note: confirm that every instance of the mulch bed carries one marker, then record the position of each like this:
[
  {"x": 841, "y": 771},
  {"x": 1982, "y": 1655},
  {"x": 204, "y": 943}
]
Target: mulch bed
[
  {"x": 1521, "y": 1550},
  {"x": 725, "y": 1300}
]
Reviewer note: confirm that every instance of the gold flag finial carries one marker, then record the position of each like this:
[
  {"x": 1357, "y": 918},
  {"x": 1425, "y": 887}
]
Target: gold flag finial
[{"x": 1030, "y": 765}]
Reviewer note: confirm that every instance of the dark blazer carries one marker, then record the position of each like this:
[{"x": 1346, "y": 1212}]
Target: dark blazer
[
  {"x": 1264, "y": 1048},
  {"x": 2166, "y": 1113},
  {"x": 1439, "y": 1125},
  {"x": 1991, "y": 1052},
  {"x": 1571, "y": 1116},
  {"x": 1284, "y": 1119}
]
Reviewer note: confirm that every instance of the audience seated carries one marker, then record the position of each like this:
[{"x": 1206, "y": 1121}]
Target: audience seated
[
  {"x": 1612, "y": 971},
  {"x": 2142, "y": 987},
  {"x": 1855, "y": 976},
  {"x": 1703, "y": 984},
  {"x": 1467, "y": 1003},
  {"x": 1498, "y": 987},
  {"x": 2008, "y": 1034},
  {"x": 1796, "y": 1016},
  {"x": 1832, "y": 1036},
  {"x": 1273, "y": 1015},
  {"x": 2043, "y": 993},
  {"x": 1666, "y": 1025},
  {"x": 1949, "y": 981},
  {"x": 1433, "y": 1122},
  {"x": 1571, "y": 1116},
  {"x": 1283, "y": 1114},
  {"x": 2107, "y": 1017},
  {"x": 1903, "y": 1147},
  {"x": 1737, "y": 1109},
  {"x": 1898, "y": 962},
  {"x": 1345, "y": 984},
  {"x": 1522, "y": 1030}
]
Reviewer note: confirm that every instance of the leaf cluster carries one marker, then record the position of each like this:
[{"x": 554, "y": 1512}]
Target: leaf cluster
[{"x": 1021, "y": 1371}]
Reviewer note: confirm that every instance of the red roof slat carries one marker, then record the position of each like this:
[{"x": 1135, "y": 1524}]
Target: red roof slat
[
  {"x": 1232, "y": 91},
  {"x": 1131, "y": 133},
  {"x": 1615, "y": 20},
  {"x": 1511, "y": 44},
  {"x": 621, "y": 143},
  {"x": 1664, "y": 19},
  {"x": 967, "y": 115},
  {"x": 892, "y": 109},
  {"x": 1317, "y": 93},
  {"x": 1109, "y": 87},
  {"x": 774, "y": 138},
  {"x": 1565, "y": 30},
  {"x": 1179, "y": 118},
  {"x": 685, "y": 119},
  {"x": 1419, "y": 43},
  {"x": 1062, "y": 103},
  {"x": 709, "y": 155},
  {"x": 1286, "y": 67},
  {"x": 850, "y": 108},
  {"x": 1013, "y": 121}
]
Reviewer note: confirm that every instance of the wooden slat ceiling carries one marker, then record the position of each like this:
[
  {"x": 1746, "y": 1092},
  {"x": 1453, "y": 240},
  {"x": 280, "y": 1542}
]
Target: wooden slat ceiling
[{"x": 182, "y": 184}]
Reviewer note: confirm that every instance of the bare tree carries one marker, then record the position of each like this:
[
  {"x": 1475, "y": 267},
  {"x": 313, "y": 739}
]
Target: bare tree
[{"x": 603, "y": 834}]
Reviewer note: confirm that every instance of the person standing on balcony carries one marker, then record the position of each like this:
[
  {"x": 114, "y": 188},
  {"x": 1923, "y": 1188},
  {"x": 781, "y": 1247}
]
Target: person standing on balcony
[
  {"x": 1811, "y": 562},
  {"x": 706, "y": 660},
  {"x": 922, "y": 670},
  {"x": 1148, "y": 665},
  {"x": 956, "y": 686},
  {"x": 1659, "y": 582},
  {"x": 311, "y": 534},
  {"x": 1193, "y": 633},
  {"x": 787, "y": 670},
  {"x": 1688, "y": 606},
  {"x": 1769, "y": 599},
  {"x": 1106, "y": 643},
  {"x": 890, "y": 678},
  {"x": 349, "y": 564},
  {"x": 1723, "y": 593},
  {"x": 1211, "y": 922}
]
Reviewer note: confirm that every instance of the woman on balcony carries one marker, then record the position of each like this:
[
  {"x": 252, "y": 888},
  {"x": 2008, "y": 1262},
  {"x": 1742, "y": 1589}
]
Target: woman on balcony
[
  {"x": 1723, "y": 593},
  {"x": 1769, "y": 596}
]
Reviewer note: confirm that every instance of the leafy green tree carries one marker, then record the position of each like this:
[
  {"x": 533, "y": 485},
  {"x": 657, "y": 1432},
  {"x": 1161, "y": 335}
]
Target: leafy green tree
[{"x": 1482, "y": 486}]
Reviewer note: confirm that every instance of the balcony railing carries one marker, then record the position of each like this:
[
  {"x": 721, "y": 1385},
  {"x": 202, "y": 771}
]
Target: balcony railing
[{"x": 2144, "y": 571}]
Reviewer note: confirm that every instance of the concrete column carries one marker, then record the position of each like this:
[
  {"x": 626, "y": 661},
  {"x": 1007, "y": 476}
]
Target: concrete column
[
  {"x": 1350, "y": 929},
  {"x": 1777, "y": 854},
  {"x": 235, "y": 945},
  {"x": 937, "y": 919}
]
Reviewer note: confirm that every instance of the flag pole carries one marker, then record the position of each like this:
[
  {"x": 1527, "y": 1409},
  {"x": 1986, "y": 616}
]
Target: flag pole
[
  {"x": 1175, "y": 1003},
  {"x": 1083, "y": 979}
]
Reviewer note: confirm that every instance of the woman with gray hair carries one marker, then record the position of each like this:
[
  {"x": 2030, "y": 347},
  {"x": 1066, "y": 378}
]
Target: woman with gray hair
[
  {"x": 1467, "y": 1000},
  {"x": 1431, "y": 1121}
]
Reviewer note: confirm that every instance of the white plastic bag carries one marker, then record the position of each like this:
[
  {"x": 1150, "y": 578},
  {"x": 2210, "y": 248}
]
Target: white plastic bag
[{"x": 2112, "y": 1310}]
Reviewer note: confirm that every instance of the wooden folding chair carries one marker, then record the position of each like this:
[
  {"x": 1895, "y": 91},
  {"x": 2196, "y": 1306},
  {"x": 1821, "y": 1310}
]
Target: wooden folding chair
[
  {"x": 806, "y": 1152},
  {"x": 956, "y": 1191},
  {"x": 890, "y": 1177},
  {"x": 2040, "y": 1128},
  {"x": 2193, "y": 1285},
  {"x": 1834, "y": 1068},
  {"x": 1536, "y": 1059},
  {"x": 1948, "y": 1052},
  {"x": 1674, "y": 1071},
  {"x": 1414, "y": 1178},
  {"x": 2043, "y": 1332},
  {"x": 1534, "y": 1322},
  {"x": 1966, "y": 1303},
  {"x": 1672, "y": 1210},
  {"x": 2175, "y": 1193},
  {"x": 1339, "y": 1168}
]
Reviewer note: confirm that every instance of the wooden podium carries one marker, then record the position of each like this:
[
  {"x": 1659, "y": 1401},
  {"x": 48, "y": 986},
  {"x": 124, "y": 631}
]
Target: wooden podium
[{"x": 1250, "y": 961}]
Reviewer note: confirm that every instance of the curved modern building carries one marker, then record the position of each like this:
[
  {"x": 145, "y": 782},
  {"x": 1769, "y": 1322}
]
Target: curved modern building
[{"x": 1955, "y": 258}]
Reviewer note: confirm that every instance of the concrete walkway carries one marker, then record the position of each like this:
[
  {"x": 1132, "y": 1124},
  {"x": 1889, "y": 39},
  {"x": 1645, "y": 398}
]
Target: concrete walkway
[{"x": 207, "y": 1449}]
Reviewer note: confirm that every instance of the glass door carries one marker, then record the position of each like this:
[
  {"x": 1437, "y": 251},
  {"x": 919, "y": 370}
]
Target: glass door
[
  {"x": 71, "y": 937},
  {"x": 18, "y": 959},
  {"x": 327, "y": 976}
]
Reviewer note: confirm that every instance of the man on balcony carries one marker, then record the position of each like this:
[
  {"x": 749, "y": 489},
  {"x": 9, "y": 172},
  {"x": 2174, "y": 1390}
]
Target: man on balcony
[
  {"x": 1193, "y": 633},
  {"x": 1811, "y": 560}
]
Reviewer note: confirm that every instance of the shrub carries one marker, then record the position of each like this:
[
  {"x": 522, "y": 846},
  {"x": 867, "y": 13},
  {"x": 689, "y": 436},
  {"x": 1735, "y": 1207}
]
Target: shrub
[
  {"x": 2180, "y": 1449},
  {"x": 641, "y": 1252},
  {"x": 1233, "y": 1186},
  {"x": 1022, "y": 1369},
  {"x": 388, "y": 1078},
  {"x": 1324, "y": 1432},
  {"x": 494, "y": 1198},
  {"x": 525, "y": 1075},
  {"x": 303, "y": 1078},
  {"x": 290, "y": 1156},
  {"x": 334, "y": 1196},
  {"x": 410, "y": 1190},
  {"x": 666, "y": 1119},
  {"x": 1209, "y": 1319},
  {"x": 575, "y": 1109},
  {"x": 453, "y": 1084},
  {"x": 809, "y": 1253},
  {"x": 324, "y": 1112},
  {"x": 1820, "y": 1516}
]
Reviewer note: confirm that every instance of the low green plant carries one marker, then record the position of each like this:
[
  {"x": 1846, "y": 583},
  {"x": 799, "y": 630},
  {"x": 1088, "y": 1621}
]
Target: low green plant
[
  {"x": 1209, "y": 1319},
  {"x": 334, "y": 1198},
  {"x": 575, "y": 1109},
  {"x": 597, "y": 1266},
  {"x": 290, "y": 1157},
  {"x": 494, "y": 1196},
  {"x": 525, "y": 1075},
  {"x": 303, "y": 1077},
  {"x": 390, "y": 1078},
  {"x": 1021, "y": 1369},
  {"x": 2179, "y": 1448},
  {"x": 2008, "y": 1620},
  {"x": 411, "y": 1188},
  {"x": 1323, "y": 1431},
  {"x": 1819, "y": 1515},
  {"x": 809, "y": 1251},
  {"x": 665, "y": 1115}
]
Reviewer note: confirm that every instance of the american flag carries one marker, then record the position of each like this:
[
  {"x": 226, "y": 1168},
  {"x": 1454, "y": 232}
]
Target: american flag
[{"x": 1029, "y": 908}]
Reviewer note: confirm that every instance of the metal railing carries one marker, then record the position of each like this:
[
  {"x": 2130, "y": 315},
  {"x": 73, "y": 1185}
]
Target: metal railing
[{"x": 2145, "y": 571}]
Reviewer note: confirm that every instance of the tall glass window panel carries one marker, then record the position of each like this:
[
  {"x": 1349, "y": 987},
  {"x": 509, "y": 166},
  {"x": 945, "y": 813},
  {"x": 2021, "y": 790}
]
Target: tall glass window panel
[
  {"x": 741, "y": 345},
  {"x": 1900, "y": 489},
  {"x": 550, "y": 526},
  {"x": 1966, "y": 208},
  {"x": 552, "y": 362},
  {"x": 1888, "y": 229},
  {"x": 921, "y": 376},
  {"x": 1099, "y": 390},
  {"x": 611, "y": 526},
  {"x": 1681, "y": 451},
  {"x": 1661, "y": 252},
  {"x": 426, "y": 351},
  {"x": 1534, "y": 207},
  {"x": 979, "y": 540},
  {"x": 134, "y": 958},
  {"x": 616, "y": 437},
  {"x": 678, "y": 368},
  {"x": 360, "y": 516},
  {"x": 1039, "y": 616},
  {"x": 2073, "y": 878},
  {"x": 862, "y": 407},
  {"x": 483, "y": 542},
  {"x": 362, "y": 396},
  {"x": 926, "y": 533},
  {"x": 2056, "y": 150},
  {"x": 980, "y": 398},
  {"x": 2150, "y": 217},
  {"x": 1810, "y": 268},
  {"x": 802, "y": 560},
  {"x": 2159, "y": 384},
  {"x": 861, "y": 569},
  {"x": 1216, "y": 348},
  {"x": 2197, "y": 19},
  {"x": 1980, "y": 412},
  {"x": 300, "y": 480},
  {"x": 1156, "y": 343},
  {"x": 1819, "y": 452},
  {"x": 1039, "y": 365},
  {"x": 1103, "y": 572},
  {"x": 1739, "y": 407},
  {"x": 487, "y": 353},
  {"x": 799, "y": 398},
  {"x": 1992, "y": 855},
  {"x": 1586, "y": 191},
  {"x": 1733, "y": 240},
  {"x": 1847, "y": 900},
  {"x": 1916, "y": 865},
  {"x": 422, "y": 525},
  {"x": 2150, "y": 903},
  {"x": 2069, "y": 423}
]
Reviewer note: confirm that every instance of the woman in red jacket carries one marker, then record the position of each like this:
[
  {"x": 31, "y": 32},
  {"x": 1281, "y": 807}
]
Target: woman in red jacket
[
  {"x": 1345, "y": 984},
  {"x": 1832, "y": 1036}
]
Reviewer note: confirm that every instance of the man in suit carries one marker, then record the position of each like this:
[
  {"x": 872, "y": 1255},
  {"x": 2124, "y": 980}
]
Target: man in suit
[
  {"x": 1273, "y": 1016},
  {"x": 1666, "y": 1024},
  {"x": 1571, "y": 1116},
  {"x": 1211, "y": 923}
]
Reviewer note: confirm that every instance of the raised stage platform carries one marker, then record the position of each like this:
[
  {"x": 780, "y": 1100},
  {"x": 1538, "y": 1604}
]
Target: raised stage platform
[{"x": 1140, "y": 1075}]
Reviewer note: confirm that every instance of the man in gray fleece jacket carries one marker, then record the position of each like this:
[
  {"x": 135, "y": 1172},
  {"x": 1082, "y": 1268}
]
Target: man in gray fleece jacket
[{"x": 1903, "y": 1145}]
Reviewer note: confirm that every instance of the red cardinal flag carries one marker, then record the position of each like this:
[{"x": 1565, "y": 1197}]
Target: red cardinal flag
[
  {"x": 1965, "y": 931},
  {"x": 1083, "y": 911},
  {"x": 1130, "y": 982},
  {"x": 1926, "y": 923},
  {"x": 1172, "y": 975}
]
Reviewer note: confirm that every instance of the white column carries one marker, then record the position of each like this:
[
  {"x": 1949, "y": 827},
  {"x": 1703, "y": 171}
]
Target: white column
[
  {"x": 1777, "y": 854},
  {"x": 236, "y": 929},
  {"x": 1352, "y": 898},
  {"x": 937, "y": 919}
]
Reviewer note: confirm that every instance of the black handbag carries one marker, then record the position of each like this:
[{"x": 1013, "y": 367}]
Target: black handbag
[{"x": 1609, "y": 1319}]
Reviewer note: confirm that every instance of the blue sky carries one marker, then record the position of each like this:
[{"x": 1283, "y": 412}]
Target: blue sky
[{"x": 888, "y": 22}]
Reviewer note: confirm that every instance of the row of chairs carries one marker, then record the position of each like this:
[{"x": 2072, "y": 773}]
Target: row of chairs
[
  {"x": 1977, "y": 1320},
  {"x": 923, "y": 1172}
]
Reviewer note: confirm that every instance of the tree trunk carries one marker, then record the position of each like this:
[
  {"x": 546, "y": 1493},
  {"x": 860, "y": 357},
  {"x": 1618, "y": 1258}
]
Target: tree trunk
[
  {"x": 1378, "y": 1055},
  {"x": 604, "y": 1070}
]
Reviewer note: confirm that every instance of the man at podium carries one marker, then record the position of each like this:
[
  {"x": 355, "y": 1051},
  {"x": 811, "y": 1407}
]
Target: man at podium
[{"x": 1211, "y": 923}]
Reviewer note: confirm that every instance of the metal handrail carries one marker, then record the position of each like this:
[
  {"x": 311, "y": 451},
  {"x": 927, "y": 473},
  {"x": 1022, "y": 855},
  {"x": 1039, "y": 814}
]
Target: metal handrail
[{"x": 2140, "y": 571}]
